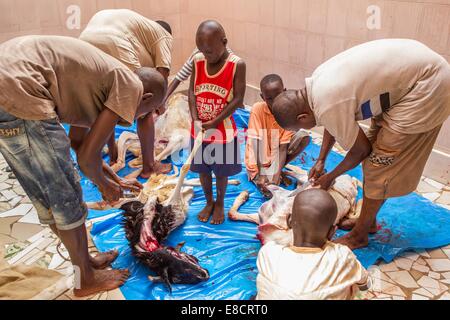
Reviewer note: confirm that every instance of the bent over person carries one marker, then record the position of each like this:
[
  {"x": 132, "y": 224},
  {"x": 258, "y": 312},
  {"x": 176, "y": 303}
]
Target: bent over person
[
  {"x": 403, "y": 86},
  {"x": 136, "y": 42},
  {"x": 49, "y": 80}
]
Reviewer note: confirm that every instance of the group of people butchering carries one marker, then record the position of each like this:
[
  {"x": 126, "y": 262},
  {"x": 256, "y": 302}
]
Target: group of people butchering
[{"x": 117, "y": 73}]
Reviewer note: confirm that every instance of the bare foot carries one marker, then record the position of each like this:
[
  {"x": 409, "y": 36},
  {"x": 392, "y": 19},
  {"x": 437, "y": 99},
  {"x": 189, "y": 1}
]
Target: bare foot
[
  {"x": 353, "y": 240},
  {"x": 349, "y": 224},
  {"x": 104, "y": 259},
  {"x": 158, "y": 168},
  {"x": 102, "y": 280},
  {"x": 218, "y": 216},
  {"x": 204, "y": 215}
]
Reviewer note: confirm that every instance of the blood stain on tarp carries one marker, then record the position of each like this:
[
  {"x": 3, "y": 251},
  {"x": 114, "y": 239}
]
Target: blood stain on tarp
[
  {"x": 302, "y": 158},
  {"x": 385, "y": 234}
]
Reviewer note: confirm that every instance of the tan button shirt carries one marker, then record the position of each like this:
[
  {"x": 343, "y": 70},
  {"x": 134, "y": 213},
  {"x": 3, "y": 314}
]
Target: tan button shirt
[
  {"x": 400, "y": 80},
  {"x": 291, "y": 273},
  {"x": 131, "y": 38},
  {"x": 43, "y": 77}
]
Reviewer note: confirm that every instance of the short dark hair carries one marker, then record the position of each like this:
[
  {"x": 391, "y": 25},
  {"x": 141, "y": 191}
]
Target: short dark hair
[
  {"x": 165, "y": 25},
  {"x": 270, "y": 78}
]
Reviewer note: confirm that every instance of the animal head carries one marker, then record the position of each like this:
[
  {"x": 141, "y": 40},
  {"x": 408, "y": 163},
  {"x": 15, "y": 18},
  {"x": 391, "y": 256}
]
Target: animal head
[
  {"x": 174, "y": 266},
  {"x": 146, "y": 226}
]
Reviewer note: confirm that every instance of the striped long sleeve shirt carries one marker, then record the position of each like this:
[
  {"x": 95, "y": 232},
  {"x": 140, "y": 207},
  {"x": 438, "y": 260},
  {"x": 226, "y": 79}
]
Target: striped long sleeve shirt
[{"x": 186, "y": 71}]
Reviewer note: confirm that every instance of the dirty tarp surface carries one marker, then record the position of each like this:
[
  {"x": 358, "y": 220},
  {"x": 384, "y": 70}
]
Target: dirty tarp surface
[{"x": 229, "y": 251}]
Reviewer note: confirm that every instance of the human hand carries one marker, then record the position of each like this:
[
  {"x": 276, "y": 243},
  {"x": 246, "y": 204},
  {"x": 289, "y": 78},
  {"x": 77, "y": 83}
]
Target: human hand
[
  {"x": 111, "y": 191},
  {"x": 325, "y": 181},
  {"x": 131, "y": 184},
  {"x": 209, "y": 125},
  {"x": 317, "y": 170}
]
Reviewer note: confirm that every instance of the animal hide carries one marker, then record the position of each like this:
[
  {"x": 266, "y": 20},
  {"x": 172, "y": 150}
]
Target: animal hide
[
  {"x": 172, "y": 134},
  {"x": 272, "y": 215},
  {"x": 148, "y": 223}
]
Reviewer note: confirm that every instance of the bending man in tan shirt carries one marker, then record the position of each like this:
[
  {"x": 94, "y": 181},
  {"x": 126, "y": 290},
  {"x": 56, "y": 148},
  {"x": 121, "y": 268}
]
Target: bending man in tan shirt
[
  {"x": 49, "y": 80},
  {"x": 137, "y": 42},
  {"x": 403, "y": 86}
]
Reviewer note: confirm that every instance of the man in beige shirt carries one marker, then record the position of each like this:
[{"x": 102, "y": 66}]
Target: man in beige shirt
[
  {"x": 137, "y": 42},
  {"x": 403, "y": 86},
  {"x": 49, "y": 80}
]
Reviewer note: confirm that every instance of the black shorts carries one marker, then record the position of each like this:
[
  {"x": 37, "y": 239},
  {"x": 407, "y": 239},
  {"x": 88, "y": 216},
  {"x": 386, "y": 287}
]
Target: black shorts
[{"x": 224, "y": 160}]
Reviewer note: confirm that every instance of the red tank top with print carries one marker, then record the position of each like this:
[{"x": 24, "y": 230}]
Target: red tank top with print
[{"x": 212, "y": 94}]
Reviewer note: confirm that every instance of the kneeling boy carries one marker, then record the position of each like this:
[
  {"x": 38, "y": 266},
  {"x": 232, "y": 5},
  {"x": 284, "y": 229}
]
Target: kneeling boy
[
  {"x": 270, "y": 147},
  {"x": 313, "y": 268}
]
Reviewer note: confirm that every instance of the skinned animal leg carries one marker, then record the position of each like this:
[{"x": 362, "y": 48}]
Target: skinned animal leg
[
  {"x": 126, "y": 140},
  {"x": 134, "y": 174},
  {"x": 176, "y": 196},
  {"x": 136, "y": 163},
  {"x": 171, "y": 148},
  {"x": 103, "y": 205},
  {"x": 234, "y": 214}
]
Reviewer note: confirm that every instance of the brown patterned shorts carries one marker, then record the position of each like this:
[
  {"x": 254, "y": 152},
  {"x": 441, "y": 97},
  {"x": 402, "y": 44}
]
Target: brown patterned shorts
[{"x": 397, "y": 161}]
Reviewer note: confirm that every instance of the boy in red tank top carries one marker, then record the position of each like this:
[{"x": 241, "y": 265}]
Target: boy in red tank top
[{"x": 217, "y": 89}]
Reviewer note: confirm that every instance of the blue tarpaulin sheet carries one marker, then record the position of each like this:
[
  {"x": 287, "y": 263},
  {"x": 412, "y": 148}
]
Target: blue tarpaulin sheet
[{"x": 229, "y": 251}]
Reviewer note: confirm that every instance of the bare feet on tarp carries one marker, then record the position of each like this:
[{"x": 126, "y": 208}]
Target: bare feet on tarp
[
  {"x": 354, "y": 240},
  {"x": 206, "y": 212},
  {"x": 101, "y": 280},
  {"x": 349, "y": 224},
  {"x": 104, "y": 259},
  {"x": 218, "y": 216}
]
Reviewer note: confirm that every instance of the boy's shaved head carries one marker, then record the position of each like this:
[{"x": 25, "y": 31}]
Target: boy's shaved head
[
  {"x": 152, "y": 80},
  {"x": 211, "y": 27},
  {"x": 155, "y": 87},
  {"x": 313, "y": 216},
  {"x": 212, "y": 41},
  {"x": 165, "y": 25},
  {"x": 287, "y": 108}
]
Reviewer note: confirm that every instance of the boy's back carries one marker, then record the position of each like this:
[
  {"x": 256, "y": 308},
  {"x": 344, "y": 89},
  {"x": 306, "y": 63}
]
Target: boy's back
[{"x": 293, "y": 273}]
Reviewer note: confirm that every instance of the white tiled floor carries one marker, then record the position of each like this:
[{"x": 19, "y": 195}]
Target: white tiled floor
[{"x": 415, "y": 275}]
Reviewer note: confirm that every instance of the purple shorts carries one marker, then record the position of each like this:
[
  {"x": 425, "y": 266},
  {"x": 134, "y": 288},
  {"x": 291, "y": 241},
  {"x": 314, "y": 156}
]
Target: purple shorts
[{"x": 224, "y": 160}]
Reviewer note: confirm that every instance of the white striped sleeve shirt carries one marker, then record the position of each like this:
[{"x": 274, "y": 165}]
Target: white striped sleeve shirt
[{"x": 186, "y": 71}]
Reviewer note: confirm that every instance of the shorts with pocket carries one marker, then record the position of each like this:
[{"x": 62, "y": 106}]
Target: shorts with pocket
[{"x": 38, "y": 153}]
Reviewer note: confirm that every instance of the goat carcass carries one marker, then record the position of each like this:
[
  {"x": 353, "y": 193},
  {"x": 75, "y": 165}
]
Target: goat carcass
[
  {"x": 272, "y": 215},
  {"x": 148, "y": 225},
  {"x": 160, "y": 185},
  {"x": 172, "y": 134}
]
